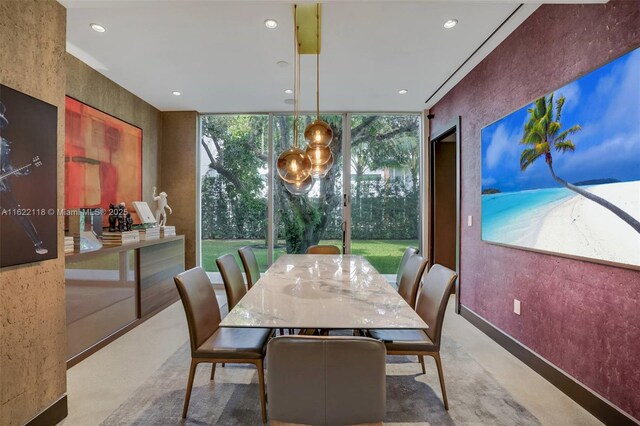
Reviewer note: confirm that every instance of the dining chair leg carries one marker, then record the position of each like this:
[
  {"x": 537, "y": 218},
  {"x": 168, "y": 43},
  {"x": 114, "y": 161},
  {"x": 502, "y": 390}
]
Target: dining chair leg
[
  {"x": 282, "y": 331},
  {"x": 223, "y": 365},
  {"x": 263, "y": 402},
  {"x": 436, "y": 356},
  {"x": 192, "y": 374},
  {"x": 213, "y": 370},
  {"x": 421, "y": 359}
]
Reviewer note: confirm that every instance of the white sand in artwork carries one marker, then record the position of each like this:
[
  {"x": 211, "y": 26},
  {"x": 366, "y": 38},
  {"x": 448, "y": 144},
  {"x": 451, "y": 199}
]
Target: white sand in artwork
[{"x": 582, "y": 227}]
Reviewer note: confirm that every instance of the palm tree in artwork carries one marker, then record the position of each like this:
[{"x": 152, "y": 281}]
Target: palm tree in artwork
[{"x": 543, "y": 134}]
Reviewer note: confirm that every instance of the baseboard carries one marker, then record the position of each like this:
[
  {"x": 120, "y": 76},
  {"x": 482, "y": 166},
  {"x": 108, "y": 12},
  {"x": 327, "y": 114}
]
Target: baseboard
[
  {"x": 599, "y": 407},
  {"x": 51, "y": 416}
]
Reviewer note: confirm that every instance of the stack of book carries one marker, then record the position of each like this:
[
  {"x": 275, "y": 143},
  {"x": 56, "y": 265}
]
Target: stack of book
[
  {"x": 167, "y": 231},
  {"x": 150, "y": 233},
  {"x": 120, "y": 238},
  {"x": 68, "y": 244}
]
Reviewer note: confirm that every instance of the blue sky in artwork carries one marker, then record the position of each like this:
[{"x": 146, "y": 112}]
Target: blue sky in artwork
[{"x": 605, "y": 103}]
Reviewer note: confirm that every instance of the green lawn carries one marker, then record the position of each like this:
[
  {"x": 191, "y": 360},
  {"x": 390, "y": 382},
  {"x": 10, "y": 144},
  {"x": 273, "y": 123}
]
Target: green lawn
[{"x": 384, "y": 255}]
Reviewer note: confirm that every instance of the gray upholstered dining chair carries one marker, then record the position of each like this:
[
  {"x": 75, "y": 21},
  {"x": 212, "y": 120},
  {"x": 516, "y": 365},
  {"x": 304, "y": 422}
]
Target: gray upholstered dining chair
[
  {"x": 326, "y": 380},
  {"x": 251, "y": 269},
  {"x": 211, "y": 343},
  {"x": 323, "y": 249},
  {"x": 432, "y": 305},
  {"x": 250, "y": 264},
  {"x": 411, "y": 277},
  {"x": 232, "y": 279},
  {"x": 410, "y": 251}
]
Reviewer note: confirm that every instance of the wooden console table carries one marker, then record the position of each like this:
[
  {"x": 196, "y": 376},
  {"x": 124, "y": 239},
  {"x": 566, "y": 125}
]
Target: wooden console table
[{"x": 111, "y": 290}]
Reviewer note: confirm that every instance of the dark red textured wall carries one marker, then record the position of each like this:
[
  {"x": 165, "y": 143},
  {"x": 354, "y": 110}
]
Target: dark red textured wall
[{"x": 581, "y": 316}]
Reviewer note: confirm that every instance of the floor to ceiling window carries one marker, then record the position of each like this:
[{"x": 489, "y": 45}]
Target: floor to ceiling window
[
  {"x": 381, "y": 188},
  {"x": 315, "y": 218},
  {"x": 233, "y": 173},
  {"x": 385, "y": 187}
]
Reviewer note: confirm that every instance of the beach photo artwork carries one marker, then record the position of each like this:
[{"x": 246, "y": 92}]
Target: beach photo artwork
[{"x": 562, "y": 174}]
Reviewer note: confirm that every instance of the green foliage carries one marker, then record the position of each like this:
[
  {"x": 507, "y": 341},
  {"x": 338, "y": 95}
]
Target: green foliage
[
  {"x": 542, "y": 132},
  {"x": 384, "y": 255},
  {"x": 234, "y": 192}
]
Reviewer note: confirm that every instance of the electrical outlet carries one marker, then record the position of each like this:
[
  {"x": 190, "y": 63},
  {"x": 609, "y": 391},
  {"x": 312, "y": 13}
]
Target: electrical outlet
[
  {"x": 469, "y": 220},
  {"x": 516, "y": 306}
]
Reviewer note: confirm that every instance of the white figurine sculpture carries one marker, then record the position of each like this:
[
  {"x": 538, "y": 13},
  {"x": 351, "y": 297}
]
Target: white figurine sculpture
[{"x": 161, "y": 204}]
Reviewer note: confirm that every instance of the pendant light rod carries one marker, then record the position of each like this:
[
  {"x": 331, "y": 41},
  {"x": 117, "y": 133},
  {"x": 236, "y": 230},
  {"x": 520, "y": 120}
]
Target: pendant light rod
[
  {"x": 296, "y": 82},
  {"x": 318, "y": 61}
]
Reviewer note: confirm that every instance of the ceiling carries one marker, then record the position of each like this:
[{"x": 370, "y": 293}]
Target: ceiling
[{"x": 222, "y": 58}]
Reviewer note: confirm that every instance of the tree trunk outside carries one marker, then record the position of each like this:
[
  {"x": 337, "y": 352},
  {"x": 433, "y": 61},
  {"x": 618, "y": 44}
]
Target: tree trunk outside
[{"x": 630, "y": 220}]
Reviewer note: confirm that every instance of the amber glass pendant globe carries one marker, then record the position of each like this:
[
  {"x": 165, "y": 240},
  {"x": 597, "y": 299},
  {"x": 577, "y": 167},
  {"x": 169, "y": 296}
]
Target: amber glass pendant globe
[
  {"x": 318, "y": 154},
  {"x": 318, "y": 133},
  {"x": 321, "y": 170},
  {"x": 294, "y": 165},
  {"x": 299, "y": 187}
]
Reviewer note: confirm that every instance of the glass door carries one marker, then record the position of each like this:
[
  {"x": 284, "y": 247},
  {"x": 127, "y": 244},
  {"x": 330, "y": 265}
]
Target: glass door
[
  {"x": 233, "y": 187},
  {"x": 384, "y": 187},
  {"x": 316, "y": 218},
  {"x": 370, "y": 208}
]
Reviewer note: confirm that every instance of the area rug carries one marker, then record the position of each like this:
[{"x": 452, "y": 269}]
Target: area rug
[{"x": 475, "y": 397}]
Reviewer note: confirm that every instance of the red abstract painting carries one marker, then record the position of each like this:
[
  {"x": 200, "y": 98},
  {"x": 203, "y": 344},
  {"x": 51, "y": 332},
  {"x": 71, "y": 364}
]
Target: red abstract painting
[{"x": 103, "y": 159}]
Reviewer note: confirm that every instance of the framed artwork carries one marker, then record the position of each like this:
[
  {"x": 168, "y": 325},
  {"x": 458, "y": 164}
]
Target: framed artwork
[
  {"x": 103, "y": 159},
  {"x": 562, "y": 174},
  {"x": 28, "y": 179}
]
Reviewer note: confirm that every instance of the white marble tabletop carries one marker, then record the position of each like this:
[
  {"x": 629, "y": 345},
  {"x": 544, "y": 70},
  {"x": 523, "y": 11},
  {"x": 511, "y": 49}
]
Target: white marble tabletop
[{"x": 323, "y": 291}]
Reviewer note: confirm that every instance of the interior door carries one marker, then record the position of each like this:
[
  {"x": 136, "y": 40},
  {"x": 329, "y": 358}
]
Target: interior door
[{"x": 444, "y": 202}]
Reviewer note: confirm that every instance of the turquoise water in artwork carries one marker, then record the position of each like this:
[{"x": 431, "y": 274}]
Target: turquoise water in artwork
[{"x": 514, "y": 217}]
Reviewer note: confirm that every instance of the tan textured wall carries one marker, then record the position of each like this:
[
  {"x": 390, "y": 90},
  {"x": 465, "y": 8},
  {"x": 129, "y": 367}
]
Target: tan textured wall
[
  {"x": 178, "y": 177},
  {"x": 32, "y": 312},
  {"x": 89, "y": 86}
]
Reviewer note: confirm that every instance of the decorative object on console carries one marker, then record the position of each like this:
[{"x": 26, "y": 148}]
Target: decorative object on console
[
  {"x": 103, "y": 158},
  {"x": 167, "y": 231},
  {"x": 28, "y": 160},
  {"x": 68, "y": 244},
  {"x": 161, "y": 205},
  {"x": 79, "y": 227},
  {"x": 562, "y": 174},
  {"x": 128, "y": 222},
  {"x": 86, "y": 241},
  {"x": 121, "y": 212},
  {"x": 150, "y": 233},
  {"x": 144, "y": 213},
  {"x": 74, "y": 222},
  {"x": 120, "y": 238},
  {"x": 112, "y": 218},
  {"x": 94, "y": 217}
]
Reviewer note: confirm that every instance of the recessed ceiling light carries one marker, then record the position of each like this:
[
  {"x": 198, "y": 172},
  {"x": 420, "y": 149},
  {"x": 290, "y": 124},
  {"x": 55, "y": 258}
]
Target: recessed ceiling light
[
  {"x": 403, "y": 91},
  {"x": 176, "y": 93},
  {"x": 288, "y": 91},
  {"x": 271, "y": 23},
  {"x": 97, "y": 28},
  {"x": 450, "y": 23}
]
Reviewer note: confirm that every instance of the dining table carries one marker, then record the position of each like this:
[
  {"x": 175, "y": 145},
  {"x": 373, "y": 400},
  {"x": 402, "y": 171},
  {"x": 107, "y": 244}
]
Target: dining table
[{"x": 307, "y": 291}]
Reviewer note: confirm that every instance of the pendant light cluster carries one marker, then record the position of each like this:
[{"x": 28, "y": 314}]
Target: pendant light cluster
[{"x": 298, "y": 168}]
